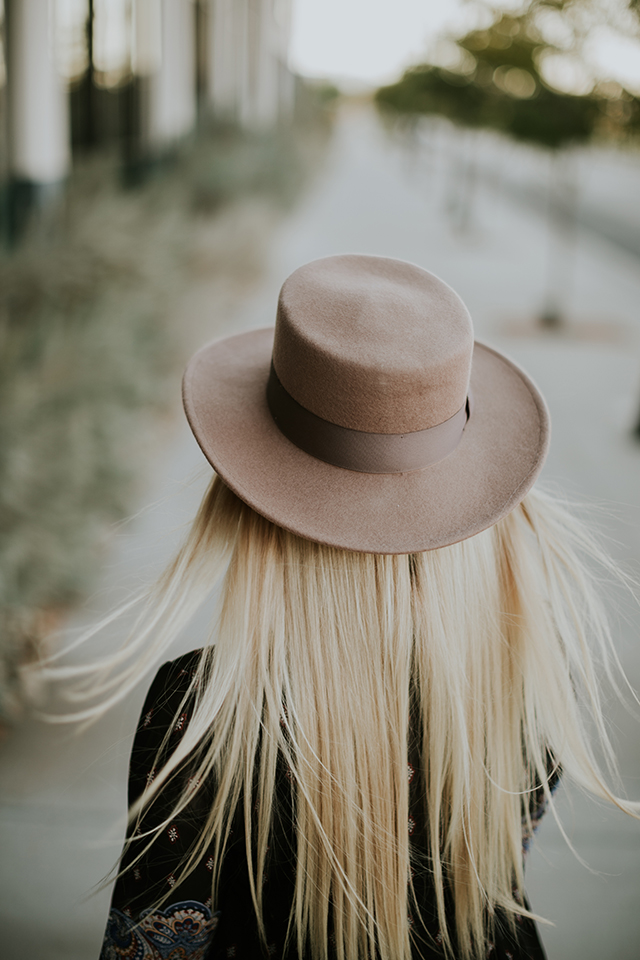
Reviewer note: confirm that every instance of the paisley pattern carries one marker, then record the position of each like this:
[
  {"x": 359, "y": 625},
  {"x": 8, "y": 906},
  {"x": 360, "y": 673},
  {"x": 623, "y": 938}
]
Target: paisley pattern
[{"x": 183, "y": 931}]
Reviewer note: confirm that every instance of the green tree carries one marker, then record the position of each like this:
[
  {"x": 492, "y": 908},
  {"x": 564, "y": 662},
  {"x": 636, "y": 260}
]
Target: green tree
[
  {"x": 497, "y": 77},
  {"x": 500, "y": 82}
]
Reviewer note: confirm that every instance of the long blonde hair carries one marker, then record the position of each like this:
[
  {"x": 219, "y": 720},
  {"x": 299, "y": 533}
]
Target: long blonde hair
[{"x": 319, "y": 658}]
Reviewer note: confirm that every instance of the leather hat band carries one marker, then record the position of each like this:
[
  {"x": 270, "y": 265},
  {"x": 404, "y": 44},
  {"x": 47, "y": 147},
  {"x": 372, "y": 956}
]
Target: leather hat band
[{"x": 357, "y": 450}]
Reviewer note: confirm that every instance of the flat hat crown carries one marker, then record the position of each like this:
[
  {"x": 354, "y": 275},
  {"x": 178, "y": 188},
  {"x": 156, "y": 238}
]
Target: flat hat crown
[{"x": 373, "y": 344}]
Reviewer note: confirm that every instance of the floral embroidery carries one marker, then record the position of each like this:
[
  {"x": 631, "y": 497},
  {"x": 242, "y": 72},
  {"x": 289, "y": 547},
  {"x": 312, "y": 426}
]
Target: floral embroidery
[
  {"x": 173, "y": 833},
  {"x": 151, "y": 776},
  {"x": 147, "y": 719},
  {"x": 209, "y": 864},
  {"x": 232, "y": 950},
  {"x": 193, "y": 783},
  {"x": 411, "y": 771},
  {"x": 136, "y": 873},
  {"x": 194, "y": 680},
  {"x": 184, "y": 930},
  {"x": 180, "y": 723},
  {"x": 412, "y": 825},
  {"x": 171, "y": 880}
]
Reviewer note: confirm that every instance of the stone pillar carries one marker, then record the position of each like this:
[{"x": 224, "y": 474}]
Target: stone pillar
[
  {"x": 248, "y": 78},
  {"x": 147, "y": 37},
  {"x": 260, "y": 107},
  {"x": 172, "y": 87},
  {"x": 274, "y": 82},
  {"x": 39, "y": 149},
  {"x": 283, "y": 13},
  {"x": 228, "y": 57}
]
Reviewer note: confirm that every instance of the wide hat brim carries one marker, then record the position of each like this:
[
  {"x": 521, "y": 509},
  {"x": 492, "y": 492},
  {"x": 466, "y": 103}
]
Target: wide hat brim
[{"x": 501, "y": 453}]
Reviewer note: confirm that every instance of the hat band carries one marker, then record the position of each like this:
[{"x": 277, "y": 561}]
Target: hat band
[{"x": 356, "y": 449}]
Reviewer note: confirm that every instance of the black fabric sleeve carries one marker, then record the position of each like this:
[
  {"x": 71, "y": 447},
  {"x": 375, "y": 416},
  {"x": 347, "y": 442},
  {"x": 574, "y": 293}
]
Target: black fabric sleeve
[{"x": 183, "y": 925}]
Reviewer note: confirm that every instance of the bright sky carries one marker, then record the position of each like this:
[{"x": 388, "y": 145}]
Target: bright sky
[
  {"x": 367, "y": 40},
  {"x": 372, "y": 41}
]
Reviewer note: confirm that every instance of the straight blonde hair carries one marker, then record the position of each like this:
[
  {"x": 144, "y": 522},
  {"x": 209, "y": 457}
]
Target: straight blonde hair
[{"x": 326, "y": 660}]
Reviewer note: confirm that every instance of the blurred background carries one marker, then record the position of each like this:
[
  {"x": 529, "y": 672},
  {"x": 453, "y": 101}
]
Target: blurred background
[{"x": 164, "y": 165}]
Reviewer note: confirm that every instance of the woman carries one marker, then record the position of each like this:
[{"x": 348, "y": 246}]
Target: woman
[{"x": 398, "y": 668}]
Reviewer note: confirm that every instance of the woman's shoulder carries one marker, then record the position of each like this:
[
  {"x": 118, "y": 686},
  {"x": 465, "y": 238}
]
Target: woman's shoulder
[
  {"x": 171, "y": 684},
  {"x": 178, "y": 673}
]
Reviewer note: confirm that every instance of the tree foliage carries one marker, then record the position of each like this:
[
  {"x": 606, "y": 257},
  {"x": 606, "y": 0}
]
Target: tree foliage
[{"x": 497, "y": 79}]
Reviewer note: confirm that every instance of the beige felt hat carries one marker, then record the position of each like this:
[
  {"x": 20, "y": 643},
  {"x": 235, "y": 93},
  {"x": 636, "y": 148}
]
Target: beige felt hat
[{"x": 369, "y": 419}]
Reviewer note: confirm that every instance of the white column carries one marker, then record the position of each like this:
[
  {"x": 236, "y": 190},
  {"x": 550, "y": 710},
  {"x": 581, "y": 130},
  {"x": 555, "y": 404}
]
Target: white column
[
  {"x": 39, "y": 149},
  {"x": 261, "y": 105},
  {"x": 147, "y": 37},
  {"x": 268, "y": 45},
  {"x": 232, "y": 51},
  {"x": 244, "y": 57},
  {"x": 283, "y": 13},
  {"x": 225, "y": 56},
  {"x": 248, "y": 47},
  {"x": 172, "y": 95}
]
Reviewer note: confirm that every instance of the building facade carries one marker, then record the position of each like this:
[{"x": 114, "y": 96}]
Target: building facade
[{"x": 130, "y": 75}]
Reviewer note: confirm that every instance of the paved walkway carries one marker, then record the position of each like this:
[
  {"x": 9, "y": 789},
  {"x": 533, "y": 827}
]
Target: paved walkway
[{"x": 62, "y": 795}]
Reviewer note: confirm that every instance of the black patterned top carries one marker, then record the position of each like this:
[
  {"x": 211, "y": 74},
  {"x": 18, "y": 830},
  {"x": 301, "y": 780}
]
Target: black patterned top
[{"x": 185, "y": 928}]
